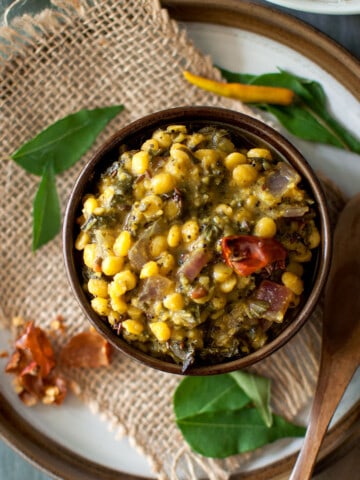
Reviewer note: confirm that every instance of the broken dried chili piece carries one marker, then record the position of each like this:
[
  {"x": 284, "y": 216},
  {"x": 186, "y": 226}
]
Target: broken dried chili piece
[
  {"x": 34, "y": 340},
  {"x": 86, "y": 349},
  {"x": 13, "y": 364},
  {"x": 198, "y": 292},
  {"x": 246, "y": 254},
  {"x": 33, "y": 364}
]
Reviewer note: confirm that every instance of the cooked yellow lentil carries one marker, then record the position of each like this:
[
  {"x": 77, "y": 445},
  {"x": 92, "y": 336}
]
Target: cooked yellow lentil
[{"x": 187, "y": 240}]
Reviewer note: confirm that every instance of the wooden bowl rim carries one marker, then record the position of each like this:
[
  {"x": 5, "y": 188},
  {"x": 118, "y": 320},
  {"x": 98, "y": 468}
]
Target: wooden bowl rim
[{"x": 210, "y": 116}]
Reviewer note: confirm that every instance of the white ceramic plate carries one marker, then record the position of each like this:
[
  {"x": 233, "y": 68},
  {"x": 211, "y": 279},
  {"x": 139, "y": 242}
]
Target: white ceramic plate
[
  {"x": 331, "y": 7},
  {"x": 73, "y": 425}
]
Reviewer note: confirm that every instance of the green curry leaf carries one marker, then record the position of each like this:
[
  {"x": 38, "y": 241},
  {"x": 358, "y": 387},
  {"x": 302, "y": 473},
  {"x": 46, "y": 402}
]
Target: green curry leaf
[
  {"x": 208, "y": 394},
  {"x": 65, "y": 141},
  {"x": 53, "y": 151},
  {"x": 308, "y": 117},
  {"x": 46, "y": 209},
  {"x": 228, "y": 432},
  {"x": 217, "y": 419},
  {"x": 258, "y": 390}
]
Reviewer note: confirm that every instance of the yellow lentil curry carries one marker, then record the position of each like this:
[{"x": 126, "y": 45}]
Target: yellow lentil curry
[{"x": 195, "y": 245}]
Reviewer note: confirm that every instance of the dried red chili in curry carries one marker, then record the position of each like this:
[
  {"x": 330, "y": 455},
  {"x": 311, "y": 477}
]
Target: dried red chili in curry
[{"x": 246, "y": 254}]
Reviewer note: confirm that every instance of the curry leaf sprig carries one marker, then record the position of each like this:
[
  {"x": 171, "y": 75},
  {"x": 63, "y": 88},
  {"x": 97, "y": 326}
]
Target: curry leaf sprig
[
  {"x": 307, "y": 117},
  {"x": 223, "y": 415},
  {"x": 53, "y": 151}
]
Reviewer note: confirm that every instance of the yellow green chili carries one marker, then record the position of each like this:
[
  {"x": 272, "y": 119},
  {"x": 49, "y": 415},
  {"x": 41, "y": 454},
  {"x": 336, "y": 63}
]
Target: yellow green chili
[{"x": 245, "y": 93}]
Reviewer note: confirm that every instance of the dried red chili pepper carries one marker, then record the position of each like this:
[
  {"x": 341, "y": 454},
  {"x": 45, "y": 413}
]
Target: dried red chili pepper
[
  {"x": 86, "y": 349},
  {"x": 246, "y": 254},
  {"x": 33, "y": 364},
  {"x": 35, "y": 341}
]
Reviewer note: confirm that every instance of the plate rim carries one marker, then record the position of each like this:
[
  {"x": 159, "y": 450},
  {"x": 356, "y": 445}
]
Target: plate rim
[
  {"x": 326, "y": 8},
  {"x": 270, "y": 22},
  {"x": 50, "y": 457},
  {"x": 55, "y": 459}
]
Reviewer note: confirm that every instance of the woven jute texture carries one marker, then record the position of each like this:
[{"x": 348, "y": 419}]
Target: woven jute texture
[{"x": 85, "y": 56}]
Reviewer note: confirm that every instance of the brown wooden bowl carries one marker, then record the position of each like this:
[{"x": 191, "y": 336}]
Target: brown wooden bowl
[{"x": 247, "y": 128}]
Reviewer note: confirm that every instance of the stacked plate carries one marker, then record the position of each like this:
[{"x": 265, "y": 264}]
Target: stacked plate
[{"x": 332, "y": 7}]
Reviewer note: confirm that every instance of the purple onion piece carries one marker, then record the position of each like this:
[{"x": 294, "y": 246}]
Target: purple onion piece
[
  {"x": 194, "y": 263},
  {"x": 154, "y": 288},
  {"x": 278, "y": 297},
  {"x": 279, "y": 181},
  {"x": 295, "y": 211},
  {"x": 139, "y": 252}
]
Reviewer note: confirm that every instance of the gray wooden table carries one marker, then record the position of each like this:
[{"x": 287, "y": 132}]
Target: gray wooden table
[{"x": 344, "y": 29}]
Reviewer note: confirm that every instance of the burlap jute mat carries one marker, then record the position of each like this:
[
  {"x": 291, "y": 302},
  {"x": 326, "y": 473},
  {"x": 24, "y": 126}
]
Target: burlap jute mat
[{"x": 86, "y": 55}]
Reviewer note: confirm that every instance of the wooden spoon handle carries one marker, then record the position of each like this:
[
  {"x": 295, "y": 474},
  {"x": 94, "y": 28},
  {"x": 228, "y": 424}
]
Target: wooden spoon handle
[
  {"x": 334, "y": 377},
  {"x": 340, "y": 354}
]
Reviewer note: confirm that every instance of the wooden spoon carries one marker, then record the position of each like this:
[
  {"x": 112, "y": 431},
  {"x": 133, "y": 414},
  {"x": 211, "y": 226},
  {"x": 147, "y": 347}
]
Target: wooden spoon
[{"x": 340, "y": 355}]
